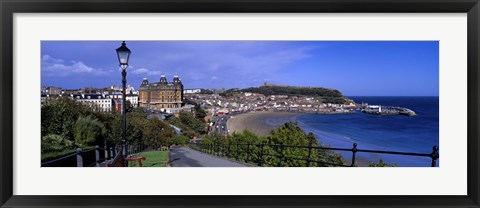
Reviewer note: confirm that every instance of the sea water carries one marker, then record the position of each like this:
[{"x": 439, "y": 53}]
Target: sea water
[{"x": 400, "y": 133}]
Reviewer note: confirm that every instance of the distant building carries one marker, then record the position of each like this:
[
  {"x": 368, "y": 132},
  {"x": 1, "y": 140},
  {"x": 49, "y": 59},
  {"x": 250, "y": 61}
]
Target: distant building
[
  {"x": 103, "y": 102},
  {"x": 71, "y": 91},
  {"x": 266, "y": 84},
  {"x": 375, "y": 108},
  {"x": 117, "y": 105},
  {"x": 129, "y": 89},
  {"x": 161, "y": 95},
  {"x": 192, "y": 91},
  {"x": 90, "y": 90},
  {"x": 107, "y": 99},
  {"x": 133, "y": 99},
  {"x": 44, "y": 97},
  {"x": 188, "y": 108},
  {"x": 171, "y": 110},
  {"x": 52, "y": 90}
]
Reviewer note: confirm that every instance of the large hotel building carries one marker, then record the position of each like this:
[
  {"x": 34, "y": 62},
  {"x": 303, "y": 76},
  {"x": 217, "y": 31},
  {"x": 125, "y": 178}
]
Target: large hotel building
[{"x": 161, "y": 95}]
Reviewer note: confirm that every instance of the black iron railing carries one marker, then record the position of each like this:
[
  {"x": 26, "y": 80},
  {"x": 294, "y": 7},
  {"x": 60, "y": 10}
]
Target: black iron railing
[
  {"x": 92, "y": 157},
  {"x": 311, "y": 155}
]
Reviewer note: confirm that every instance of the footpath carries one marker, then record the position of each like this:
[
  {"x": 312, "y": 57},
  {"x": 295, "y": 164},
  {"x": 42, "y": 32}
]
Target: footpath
[{"x": 186, "y": 157}]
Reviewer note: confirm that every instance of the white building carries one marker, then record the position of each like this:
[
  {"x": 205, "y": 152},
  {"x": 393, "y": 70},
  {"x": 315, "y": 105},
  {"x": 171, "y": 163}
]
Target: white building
[
  {"x": 129, "y": 89},
  {"x": 188, "y": 108},
  {"x": 375, "y": 108},
  {"x": 192, "y": 91},
  {"x": 133, "y": 99},
  {"x": 170, "y": 110},
  {"x": 104, "y": 102}
]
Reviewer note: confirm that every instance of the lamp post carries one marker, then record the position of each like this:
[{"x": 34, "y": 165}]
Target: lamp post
[{"x": 123, "y": 54}]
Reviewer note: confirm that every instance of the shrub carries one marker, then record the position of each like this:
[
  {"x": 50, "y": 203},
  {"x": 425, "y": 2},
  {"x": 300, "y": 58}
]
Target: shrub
[
  {"x": 382, "y": 163},
  {"x": 88, "y": 131},
  {"x": 180, "y": 140},
  {"x": 54, "y": 142}
]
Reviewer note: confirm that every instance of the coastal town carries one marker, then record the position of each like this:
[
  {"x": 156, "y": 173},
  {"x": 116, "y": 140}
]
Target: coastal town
[
  {"x": 245, "y": 102},
  {"x": 171, "y": 99},
  {"x": 159, "y": 113},
  {"x": 214, "y": 102}
]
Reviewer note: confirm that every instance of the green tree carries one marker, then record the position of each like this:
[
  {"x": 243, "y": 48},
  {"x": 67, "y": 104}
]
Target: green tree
[
  {"x": 245, "y": 137},
  {"x": 55, "y": 143},
  {"x": 59, "y": 114},
  {"x": 88, "y": 131},
  {"x": 200, "y": 113},
  {"x": 158, "y": 133},
  {"x": 136, "y": 126},
  {"x": 190, "y": 121},
  {"x": 206, "y": 142},
  {"x": 290, "y": 134},
  {"x": 249, "y": 152},
  {"x": 190, "y": 125},
  {"x": 180, "y": 140},
  {"x": 176, "y": 122},
  {"x": 274, "y": 149},
  {"x": 330, "y": 95},
  {"x": 382, "y": 163},
  {"x": 114, "y": 129}
]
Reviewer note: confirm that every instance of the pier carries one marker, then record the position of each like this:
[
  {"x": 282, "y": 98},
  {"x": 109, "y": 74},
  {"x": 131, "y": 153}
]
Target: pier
[{"x": 388, "y": 110}]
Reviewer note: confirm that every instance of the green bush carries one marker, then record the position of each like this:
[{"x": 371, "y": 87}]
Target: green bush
[
  {"x": 54, "y": 143},
  {"x": 290, "y": 134},
  {"x": 275, "y": 144},
  {"x": 158, "y": 133},
  {"x": 180, "y": 140},
  {"x": 59, "y": 115},
  {"x": 88, "y": 131},
  {"x": 382, "y": 163},
  {"x": 191, "y": 126}
]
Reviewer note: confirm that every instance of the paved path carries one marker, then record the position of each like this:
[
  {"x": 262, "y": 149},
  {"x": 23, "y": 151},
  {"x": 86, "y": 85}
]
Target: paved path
[{"x": 186, "y": 157}]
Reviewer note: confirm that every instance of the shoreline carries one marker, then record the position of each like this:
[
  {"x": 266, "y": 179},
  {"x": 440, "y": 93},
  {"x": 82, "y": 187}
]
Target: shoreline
[{"x": 262, "y": 122}]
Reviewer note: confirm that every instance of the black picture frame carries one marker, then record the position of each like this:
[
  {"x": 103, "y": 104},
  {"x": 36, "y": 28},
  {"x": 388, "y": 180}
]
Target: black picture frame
[{"x": 9, "y": 7}]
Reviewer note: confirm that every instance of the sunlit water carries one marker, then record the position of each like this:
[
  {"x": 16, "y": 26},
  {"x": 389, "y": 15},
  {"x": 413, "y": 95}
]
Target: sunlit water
[{"x": 391, "y": 133}]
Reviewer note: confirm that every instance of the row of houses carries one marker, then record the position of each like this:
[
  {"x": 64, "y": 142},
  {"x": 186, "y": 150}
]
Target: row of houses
[
  {"x": 102, "y": 101},
  {"x": 51, "y": 90},
  {"x": 247, "y": 101},
  {"x": 106, "y": 99}
]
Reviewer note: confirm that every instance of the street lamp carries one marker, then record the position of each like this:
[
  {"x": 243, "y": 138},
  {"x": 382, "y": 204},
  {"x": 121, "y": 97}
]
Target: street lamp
[{"x": 123, "y": 54}]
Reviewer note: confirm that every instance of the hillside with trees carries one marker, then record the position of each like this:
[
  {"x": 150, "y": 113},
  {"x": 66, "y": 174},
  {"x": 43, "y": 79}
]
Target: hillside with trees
[{"x": 325, "y": 95}]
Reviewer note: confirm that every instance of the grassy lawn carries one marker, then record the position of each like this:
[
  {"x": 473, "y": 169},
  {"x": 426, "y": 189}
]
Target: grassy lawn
[{"x": 153, "y": 159}]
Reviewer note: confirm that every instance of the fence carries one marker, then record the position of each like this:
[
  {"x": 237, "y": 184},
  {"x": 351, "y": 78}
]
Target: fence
[
  {"x": 92, "y": 157},
  {"x": 287, "y": 155}
]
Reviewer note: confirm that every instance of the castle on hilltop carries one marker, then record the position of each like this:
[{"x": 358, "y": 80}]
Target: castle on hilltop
[
  {"x": 266, "y": 84},
  {"x": 161, "y": 95}
]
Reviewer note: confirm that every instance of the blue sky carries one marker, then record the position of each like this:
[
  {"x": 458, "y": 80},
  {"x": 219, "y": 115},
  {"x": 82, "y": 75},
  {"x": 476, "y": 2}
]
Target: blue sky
[{"x": 356, "y": 68}]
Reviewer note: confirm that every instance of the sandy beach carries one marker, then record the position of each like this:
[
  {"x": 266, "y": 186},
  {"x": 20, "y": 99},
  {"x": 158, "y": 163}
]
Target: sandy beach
[{"x": 260, "y": 123}]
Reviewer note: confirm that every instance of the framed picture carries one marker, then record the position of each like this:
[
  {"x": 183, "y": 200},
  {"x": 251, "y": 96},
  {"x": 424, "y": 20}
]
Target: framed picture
[{"x": 248, "y": 104}]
